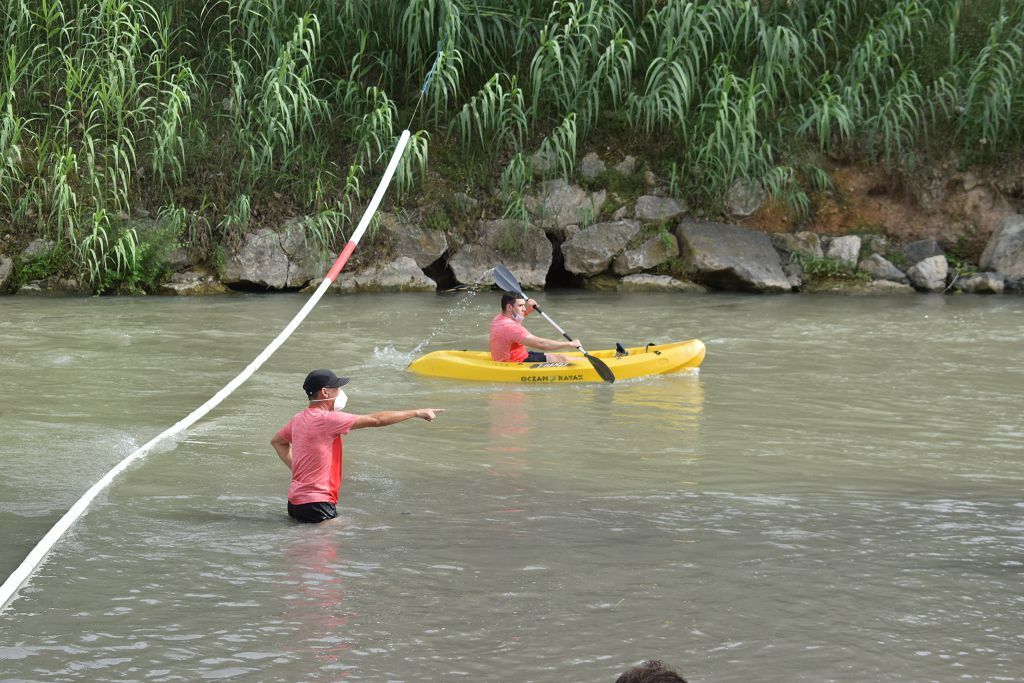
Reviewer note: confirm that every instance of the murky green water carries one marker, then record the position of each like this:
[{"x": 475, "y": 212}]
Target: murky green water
[{"x": 837, "y": 495}]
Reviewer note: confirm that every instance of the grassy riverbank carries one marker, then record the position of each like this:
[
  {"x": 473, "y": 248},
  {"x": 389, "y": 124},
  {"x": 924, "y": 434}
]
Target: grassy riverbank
[{"x": 219, "y": 117}]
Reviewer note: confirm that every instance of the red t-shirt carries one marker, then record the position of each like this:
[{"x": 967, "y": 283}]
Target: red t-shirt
[
  {"x": 506, "y": 340},
  {"x": 315, "y": 436}
]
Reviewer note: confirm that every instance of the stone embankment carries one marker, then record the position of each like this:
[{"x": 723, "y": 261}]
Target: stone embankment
[{"x": 652, "y": 244}]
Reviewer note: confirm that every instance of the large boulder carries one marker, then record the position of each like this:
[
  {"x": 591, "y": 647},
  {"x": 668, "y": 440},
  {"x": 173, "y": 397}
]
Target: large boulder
[
  {"x": 591, "y": 250},
  {"x": 803, "y": 242},
  {"x": 544, "y": 161},
  {"x": 6, "y": 270},
  {"x": 729, "y": 257},
  {"x": 930, "y": 274},
  {"x": 658, "y": 210},
  {"x": 36, "y": 248},
  {"x": 878, "y": 244},
  {"x": 260, "y": 260},
  {"x": 871, "y": 287},
  {"x": 275, "y": 260},
  {"x": 54, "y": 286},
  {"x": 744, "y": 197},
  {"x": 591, "y": 166},
  {"x": 794, "y": 273},
  {"x": 181, "y": 258},
  {"x": 651, "y": 254},
  {"x": 192, "y": 283},
  {"x": 880, "y": 268},
  {"x": 845, "y": 249},
  {"x": 421, "y": 245},
  {"x": 915, "y": 252},
  {"x": 1004, "y": 252},
  {"x": 627, "y": 166},
  {"x": 604, "y": 282},
  {"x": 558, "y": 204},
  {"x": 981, "y": 283},
  {"x": 644, "y": 282},
  {"x": 400, "y": 275},
  {"x": 887, "y": 287},
  {"x": 524, "y": 249}
]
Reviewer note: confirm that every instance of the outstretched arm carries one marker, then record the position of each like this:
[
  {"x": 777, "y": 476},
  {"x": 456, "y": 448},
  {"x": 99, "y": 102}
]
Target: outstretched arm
[
  {"x": 390, "y": 417},
  {"x": 284, "y": 450}
]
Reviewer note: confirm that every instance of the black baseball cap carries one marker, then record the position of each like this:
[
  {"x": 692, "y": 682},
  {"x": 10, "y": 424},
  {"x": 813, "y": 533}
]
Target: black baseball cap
[{"x": 322, "y": 379}]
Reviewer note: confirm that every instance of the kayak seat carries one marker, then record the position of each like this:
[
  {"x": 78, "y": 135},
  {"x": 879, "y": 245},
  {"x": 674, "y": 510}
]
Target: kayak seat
[{"x": 620, "y": 351}]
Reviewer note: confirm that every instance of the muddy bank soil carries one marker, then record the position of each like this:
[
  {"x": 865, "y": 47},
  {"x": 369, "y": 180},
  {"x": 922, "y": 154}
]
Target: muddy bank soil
[{"x": 957, "y": 208}]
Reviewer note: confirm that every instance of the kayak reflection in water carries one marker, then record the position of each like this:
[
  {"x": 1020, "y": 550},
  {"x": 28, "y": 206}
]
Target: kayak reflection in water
[
  {"x": 509, "y": 338},
  {"x": 310, "y": 444}
]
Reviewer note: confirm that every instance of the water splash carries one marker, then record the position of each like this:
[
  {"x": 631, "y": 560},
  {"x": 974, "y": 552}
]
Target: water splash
[
  {"x": 460, "y": 306},
  {"x": 391, "y": 357}
]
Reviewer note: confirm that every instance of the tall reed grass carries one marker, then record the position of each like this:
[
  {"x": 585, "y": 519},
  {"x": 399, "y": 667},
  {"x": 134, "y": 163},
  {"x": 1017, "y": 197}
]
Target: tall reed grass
[{"x": 210, "y": 112}]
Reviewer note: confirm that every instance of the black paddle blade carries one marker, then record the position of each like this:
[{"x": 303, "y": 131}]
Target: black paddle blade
[
  {"x": 506, "y": 280},
  {"x": 603, "y": 371}
]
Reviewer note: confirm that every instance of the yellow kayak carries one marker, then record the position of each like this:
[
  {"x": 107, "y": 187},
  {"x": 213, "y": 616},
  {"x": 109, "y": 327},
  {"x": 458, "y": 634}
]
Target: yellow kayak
[{"x": 640, "y": 361}]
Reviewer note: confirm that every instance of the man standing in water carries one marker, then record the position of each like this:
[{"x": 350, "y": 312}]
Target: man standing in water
[
  {"x": 310, "y": 444},
  {"x": 509, "y": 338}
]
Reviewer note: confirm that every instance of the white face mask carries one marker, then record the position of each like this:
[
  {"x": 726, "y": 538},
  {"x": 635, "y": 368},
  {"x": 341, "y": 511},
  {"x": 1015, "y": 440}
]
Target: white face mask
[
  {"x": 340, "y": 401},
  {"x": 517, "y": 317}
]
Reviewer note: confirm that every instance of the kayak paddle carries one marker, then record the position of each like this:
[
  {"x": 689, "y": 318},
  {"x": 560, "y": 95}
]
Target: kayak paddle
[{"x": 505, "y": 280}]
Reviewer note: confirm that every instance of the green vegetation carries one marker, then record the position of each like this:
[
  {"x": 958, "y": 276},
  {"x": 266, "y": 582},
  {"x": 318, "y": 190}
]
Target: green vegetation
[
  {"x": 817, "y": 270},
  {"x": 436, "y": 220},
  {"x": 226, "y": 115},
  {"x": 961, "y": 267},
  {"x": 41, "y": 266},
  {"x": 897, "y": 258}
]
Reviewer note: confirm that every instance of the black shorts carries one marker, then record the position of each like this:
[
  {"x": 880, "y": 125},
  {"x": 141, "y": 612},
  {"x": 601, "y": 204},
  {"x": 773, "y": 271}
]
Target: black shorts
[
  {"x": 535, "y": 357},
  {"x": 313, "y": 513}
]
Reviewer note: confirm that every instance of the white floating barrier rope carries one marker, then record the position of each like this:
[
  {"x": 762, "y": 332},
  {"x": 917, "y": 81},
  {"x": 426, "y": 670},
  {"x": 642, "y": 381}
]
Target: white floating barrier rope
[{"x": 17, "y": 578}]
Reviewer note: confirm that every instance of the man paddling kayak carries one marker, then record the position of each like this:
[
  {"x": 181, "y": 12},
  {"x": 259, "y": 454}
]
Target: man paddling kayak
[
  {"x": 310, "y": 444},
  {"x": 509, "y": 338}
]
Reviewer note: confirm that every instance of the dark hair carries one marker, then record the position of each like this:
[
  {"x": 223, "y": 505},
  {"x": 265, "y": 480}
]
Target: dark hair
[
  {"x": 509, "y": 298},
  {"x": 651, "y": 671}
]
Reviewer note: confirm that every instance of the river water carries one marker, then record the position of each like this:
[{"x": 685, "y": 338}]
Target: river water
[{"x": 836, "y": 495}]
